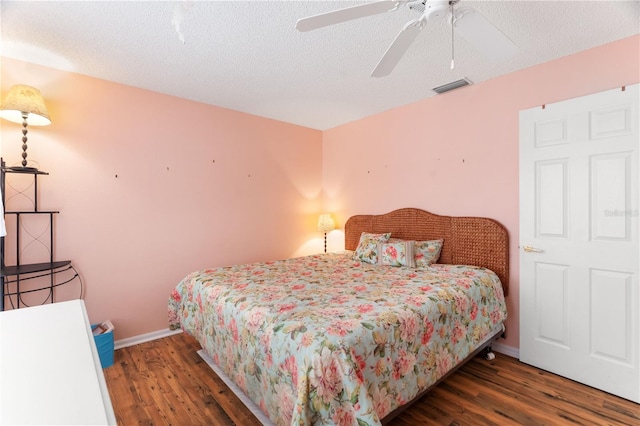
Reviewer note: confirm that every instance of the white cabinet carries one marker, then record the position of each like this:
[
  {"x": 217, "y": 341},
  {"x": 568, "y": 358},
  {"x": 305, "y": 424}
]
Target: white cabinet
[{"x": 50, "y": 371}]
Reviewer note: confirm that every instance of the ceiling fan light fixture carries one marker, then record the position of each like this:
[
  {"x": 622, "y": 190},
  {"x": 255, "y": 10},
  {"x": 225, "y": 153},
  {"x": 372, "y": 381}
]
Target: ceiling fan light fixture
[{"x": 451, "y": 86}]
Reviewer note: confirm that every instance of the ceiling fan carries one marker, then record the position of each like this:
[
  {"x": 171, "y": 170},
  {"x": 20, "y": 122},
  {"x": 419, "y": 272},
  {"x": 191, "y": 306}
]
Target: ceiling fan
[{"x": 474, "y": 27}]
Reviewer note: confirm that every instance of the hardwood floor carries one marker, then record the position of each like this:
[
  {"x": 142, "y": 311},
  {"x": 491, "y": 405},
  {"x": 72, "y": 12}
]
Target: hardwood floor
[{"x": 164, "y": 382}]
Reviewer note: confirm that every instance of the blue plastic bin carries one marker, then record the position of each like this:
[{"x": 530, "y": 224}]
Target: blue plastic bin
[{"x": 104, "y": 344}]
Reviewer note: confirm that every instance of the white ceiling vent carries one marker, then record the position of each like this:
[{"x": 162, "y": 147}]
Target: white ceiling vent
[{"x": 450, "y": 86}]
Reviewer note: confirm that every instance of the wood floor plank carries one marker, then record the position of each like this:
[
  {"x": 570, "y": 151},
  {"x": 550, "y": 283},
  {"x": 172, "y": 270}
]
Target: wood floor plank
[
  {"x": 165, "y": 382},
  {"x": 512, "y": 410},
  {"x": 556, "y": 393}
]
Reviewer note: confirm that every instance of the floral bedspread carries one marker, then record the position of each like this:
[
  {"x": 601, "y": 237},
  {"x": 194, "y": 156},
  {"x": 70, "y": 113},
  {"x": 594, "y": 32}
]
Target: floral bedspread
[{"x": 324, "y": 339}]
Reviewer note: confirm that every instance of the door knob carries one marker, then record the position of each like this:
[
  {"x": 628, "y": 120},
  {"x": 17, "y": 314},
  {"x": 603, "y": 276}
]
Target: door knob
[{"x": 531, "y": 249}]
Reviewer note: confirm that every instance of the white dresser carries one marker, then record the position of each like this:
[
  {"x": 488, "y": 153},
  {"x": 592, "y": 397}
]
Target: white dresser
[{"x": 50, "y": 372}]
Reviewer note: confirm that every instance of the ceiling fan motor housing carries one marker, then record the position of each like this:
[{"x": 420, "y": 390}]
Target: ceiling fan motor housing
[{"x": 436, "y": 9}]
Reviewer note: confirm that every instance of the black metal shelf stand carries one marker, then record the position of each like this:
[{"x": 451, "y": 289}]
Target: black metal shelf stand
[{"x": 13, "y": 276}]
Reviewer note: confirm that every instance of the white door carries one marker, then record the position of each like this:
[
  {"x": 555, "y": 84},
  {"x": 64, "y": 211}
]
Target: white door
[{"x": 579, "y": 250}]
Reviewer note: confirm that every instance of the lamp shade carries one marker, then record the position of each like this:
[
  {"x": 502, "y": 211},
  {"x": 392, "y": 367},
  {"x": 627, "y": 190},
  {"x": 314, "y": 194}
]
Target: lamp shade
[
  {"x": 25, "y": 99},
  {"x": 326, "y": 223}
]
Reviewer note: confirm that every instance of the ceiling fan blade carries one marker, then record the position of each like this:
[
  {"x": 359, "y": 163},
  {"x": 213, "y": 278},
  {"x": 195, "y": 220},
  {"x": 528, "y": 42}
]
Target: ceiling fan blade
[
  {"x": 397, "y": 49},
  {"x": 483, "y": 35},
  {"x": 347, "y": 14}
]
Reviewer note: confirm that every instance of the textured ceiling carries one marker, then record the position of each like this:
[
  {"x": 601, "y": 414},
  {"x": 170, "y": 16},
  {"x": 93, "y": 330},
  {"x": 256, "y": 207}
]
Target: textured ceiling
[{"x": 247, "y": 56}]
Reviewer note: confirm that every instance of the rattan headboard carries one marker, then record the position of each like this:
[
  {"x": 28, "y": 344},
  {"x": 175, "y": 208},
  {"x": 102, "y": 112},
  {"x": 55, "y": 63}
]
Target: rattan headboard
[{"x": 476, "y": 241}]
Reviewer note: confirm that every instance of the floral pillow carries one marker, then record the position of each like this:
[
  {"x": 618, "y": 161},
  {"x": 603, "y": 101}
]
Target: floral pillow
[
  {"x": 426, "y": 252},
  {"x": 367, "y": 250},
  {"x": 396, "y": 253}
]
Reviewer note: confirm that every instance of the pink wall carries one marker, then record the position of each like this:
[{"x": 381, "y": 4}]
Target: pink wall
[
  {"x": 196, "y": 186},
  {"x": 202, "y": 186},
  {"x": 457, "y": 153}
]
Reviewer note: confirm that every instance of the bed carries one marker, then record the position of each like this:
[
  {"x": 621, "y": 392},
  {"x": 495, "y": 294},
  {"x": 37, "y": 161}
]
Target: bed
[{"x": 333, "y": 339}]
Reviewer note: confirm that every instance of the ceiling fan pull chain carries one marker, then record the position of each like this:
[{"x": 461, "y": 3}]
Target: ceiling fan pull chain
[{"x": 453, "y": 65}]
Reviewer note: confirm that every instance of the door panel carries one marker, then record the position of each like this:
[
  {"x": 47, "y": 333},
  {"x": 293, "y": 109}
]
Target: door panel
[
  {"x": 611, "y": 196},
  {"x": 551, "y": 304},
  {"x": 610, "y": 315},
  {"x": 551, "y": 203}
]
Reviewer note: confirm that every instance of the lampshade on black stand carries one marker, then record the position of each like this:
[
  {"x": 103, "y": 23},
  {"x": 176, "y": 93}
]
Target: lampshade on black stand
[
  {"x": 24, "y": 104},
  {"x": 326, "y": 224}
]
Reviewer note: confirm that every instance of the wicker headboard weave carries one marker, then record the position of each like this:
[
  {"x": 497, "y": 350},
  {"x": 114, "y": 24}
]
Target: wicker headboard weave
[{"x": 473, "y": 241}]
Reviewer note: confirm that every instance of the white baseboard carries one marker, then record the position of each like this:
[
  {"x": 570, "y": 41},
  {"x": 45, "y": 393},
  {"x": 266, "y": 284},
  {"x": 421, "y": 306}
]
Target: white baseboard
[
  {"x": 142, "y": 338},
  {"x": 507, "y": 350}
]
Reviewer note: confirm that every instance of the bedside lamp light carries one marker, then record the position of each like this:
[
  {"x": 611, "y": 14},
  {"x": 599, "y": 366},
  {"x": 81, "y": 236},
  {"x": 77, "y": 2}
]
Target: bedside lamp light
[
  {"x": 24, "y": 104},
  {"x": 326, "y": 224}
]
